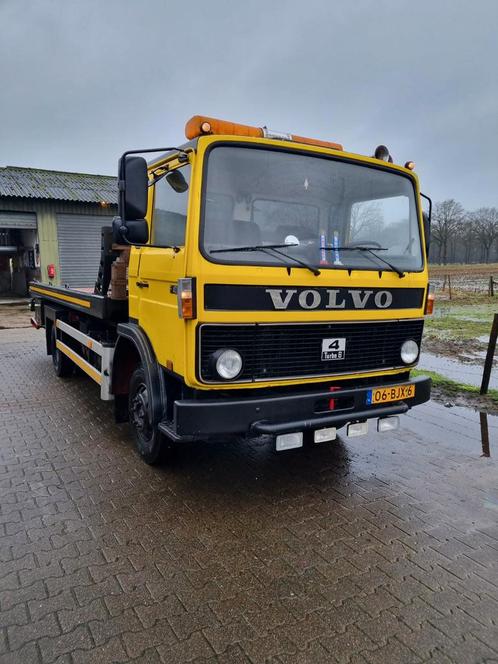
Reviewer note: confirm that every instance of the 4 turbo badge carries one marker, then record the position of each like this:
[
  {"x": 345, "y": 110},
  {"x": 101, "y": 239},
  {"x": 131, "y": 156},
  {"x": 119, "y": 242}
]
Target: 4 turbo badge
[{"x": 333, "y": 349}]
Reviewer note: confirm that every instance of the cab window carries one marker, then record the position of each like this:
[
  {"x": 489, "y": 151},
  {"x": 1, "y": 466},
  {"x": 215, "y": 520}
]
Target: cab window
[
  {"x": 307, "y": 205},
  {"x": 169, "y": 217}
]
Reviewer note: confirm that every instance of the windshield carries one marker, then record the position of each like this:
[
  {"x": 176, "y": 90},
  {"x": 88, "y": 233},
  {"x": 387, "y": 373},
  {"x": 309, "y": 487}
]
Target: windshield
[{"x": 256, "y": 196}]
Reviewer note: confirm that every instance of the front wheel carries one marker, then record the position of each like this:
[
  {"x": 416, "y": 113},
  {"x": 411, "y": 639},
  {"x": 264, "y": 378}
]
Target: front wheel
[
  {"x": 62, "y": 364},
  {"x": 148, "y": 438}
]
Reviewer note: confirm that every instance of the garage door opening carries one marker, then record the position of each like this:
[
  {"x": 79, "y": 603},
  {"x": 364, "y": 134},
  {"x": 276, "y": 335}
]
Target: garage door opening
[
  {"x": 80, "y": 237},
  {"x": 19, "y": 254}
]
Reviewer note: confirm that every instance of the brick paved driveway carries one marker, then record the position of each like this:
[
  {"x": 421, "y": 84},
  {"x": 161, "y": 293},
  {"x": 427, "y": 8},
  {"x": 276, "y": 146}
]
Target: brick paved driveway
[{"x": 382, "y": 549}]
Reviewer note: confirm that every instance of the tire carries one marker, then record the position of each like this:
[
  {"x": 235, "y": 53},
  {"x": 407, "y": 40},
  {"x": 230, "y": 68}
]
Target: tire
[
  {"x": 148, "y": 439},
  {"x": 63, "y": 366}
]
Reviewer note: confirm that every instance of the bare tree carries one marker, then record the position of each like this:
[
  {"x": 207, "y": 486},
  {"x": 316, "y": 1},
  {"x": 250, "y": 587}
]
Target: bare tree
[
  {"x": 445, "y": 220},
  {"x": 367, "y": 220},
  {"x": 486, "y": 230},
  {"x": 465, "y": 236}
]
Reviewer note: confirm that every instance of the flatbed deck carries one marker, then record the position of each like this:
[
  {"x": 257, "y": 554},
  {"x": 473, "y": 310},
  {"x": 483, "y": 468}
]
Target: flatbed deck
[{"x": 97, "y": 306}]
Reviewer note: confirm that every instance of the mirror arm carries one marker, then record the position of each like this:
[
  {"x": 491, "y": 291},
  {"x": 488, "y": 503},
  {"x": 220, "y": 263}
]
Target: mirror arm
[
  {"x": 182, "y": 156},
  {"x": 124, "y": 232},
  {"x": 429, "y": 200},
  {"x": 157, "y": 178}
]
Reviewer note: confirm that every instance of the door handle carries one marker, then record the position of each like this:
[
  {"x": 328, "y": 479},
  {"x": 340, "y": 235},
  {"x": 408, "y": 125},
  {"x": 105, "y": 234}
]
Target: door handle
[{"x": 142, "y": 284}]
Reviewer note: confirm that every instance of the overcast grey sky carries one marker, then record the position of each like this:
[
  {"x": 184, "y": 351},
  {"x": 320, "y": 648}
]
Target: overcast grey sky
[{"x": 83, "y": 80}]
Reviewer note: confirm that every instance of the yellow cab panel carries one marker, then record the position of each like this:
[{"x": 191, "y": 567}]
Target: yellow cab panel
[{"x": 287, "y": 281}]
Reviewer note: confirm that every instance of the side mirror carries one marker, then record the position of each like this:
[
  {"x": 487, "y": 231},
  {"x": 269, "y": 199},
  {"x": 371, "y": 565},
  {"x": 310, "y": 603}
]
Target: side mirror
[
  {"x": 177, "y": 182},
  {"x": 134, "y": 232},
  {"x": 130, "y": 226},
  {"x": 426, "y": 218},
  {"x": 133, "y": 184},
  {"x": 427, "y": 229}
]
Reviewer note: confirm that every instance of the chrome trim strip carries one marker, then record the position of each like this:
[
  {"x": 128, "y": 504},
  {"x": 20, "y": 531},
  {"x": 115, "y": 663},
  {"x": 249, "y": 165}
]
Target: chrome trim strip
[{"x": 317, "y": 322}]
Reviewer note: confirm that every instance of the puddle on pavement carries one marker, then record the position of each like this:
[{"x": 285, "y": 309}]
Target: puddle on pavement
[
  {"x": 471, "y": 374},
  {"x": 456, "y": 427},
  {"x": 477, "y": 357}
]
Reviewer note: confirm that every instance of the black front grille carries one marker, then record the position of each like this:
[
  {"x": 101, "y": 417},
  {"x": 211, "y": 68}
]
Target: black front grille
[{"x": 288, "y": 351}]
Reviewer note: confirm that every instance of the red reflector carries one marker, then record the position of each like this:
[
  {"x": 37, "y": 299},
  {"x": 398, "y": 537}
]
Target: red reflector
[{"x": 332, "y": 401}]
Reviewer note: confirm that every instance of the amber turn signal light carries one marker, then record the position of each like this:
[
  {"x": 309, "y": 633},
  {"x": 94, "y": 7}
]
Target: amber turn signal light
[
  {"x": 186, "y": 298},
  {"x": 429, "y": 304},
  {"x": 199, "y": 125}
]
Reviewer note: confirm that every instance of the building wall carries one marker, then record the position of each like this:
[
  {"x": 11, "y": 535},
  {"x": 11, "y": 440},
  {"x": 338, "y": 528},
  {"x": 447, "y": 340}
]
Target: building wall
[{"x": 46, "y": 214}]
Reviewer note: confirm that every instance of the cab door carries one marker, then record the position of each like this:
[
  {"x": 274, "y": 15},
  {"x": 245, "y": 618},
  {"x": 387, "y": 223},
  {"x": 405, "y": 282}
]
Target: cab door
[{"x": 160, "y": 267}]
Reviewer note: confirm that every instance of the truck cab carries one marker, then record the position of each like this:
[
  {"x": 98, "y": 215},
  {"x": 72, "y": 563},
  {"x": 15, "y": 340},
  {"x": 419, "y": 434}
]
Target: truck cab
[{"x": 276, "y": 285}]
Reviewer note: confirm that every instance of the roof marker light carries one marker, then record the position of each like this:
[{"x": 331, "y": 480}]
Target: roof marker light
[
  {"x": 199, "y": 125},
  {"x": 410, "y": 165}
]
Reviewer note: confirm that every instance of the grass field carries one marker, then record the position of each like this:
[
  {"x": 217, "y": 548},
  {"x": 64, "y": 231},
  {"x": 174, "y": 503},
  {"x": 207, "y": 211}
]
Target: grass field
[
  {"x": 460, "y": 326},
  {"x": 472, "y": 278},
  {"x": 443, "y": 387},
  {"x": 473, "y": 269},
  {"x": 461, "y": 320},
  {"x": 465, "y": 314}
]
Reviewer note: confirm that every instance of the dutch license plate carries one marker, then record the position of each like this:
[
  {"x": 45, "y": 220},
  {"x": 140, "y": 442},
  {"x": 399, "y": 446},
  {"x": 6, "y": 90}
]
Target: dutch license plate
[{"x": 384, "y": 394}]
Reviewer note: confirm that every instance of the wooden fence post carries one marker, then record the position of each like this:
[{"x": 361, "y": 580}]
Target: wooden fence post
[
  {"x": 449, "y": 285},
  {"x": 488, "y": 362},
  {"x": 491, "y": 289},
  {"x": 484, "y": 434}
]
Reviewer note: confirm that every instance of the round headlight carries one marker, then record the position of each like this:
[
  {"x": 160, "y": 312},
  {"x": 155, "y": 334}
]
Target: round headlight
[
  {"x": 228, "y": 363},
  {"x": 409, "y": 351}
]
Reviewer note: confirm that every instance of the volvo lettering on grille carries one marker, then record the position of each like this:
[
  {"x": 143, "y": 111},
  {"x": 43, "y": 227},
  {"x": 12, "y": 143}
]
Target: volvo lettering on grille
[{"x": 331, "y": 298}]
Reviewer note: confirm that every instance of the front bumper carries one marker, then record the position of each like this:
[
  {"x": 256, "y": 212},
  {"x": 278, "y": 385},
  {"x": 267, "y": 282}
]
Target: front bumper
[{"x": 194, "y": 419}]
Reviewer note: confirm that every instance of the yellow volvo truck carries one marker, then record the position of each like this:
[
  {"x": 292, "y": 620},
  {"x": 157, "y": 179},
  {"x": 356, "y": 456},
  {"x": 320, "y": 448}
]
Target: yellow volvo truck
[{"x": 254, "y": 282}]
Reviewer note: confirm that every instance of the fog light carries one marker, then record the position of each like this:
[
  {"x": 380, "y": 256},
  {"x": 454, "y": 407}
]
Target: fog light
[
  {"x": 228, "y": 363},
  {"x": 322, "y": 435},
  {"x": 288, "y": 441},
  {"x": 357, "y": 429},
  {"x": 409, "y": 351},
  {"x": 388, "y": 423}
]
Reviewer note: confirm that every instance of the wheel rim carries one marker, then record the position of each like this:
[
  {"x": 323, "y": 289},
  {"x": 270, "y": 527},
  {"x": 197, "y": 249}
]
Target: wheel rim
[{"x": 139, "y": 414}]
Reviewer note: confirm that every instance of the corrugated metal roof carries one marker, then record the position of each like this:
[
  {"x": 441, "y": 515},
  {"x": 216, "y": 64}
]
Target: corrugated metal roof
[{"x": 57, "y": 185}]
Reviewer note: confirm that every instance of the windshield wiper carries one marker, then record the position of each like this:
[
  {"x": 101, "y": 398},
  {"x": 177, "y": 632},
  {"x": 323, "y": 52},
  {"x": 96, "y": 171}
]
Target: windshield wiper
[
  {"x": 255, "y": 247},
  {"x": 266, "y": 248},
  {"x": 370, "y": 250}
]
